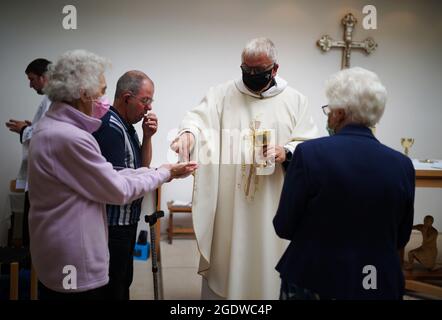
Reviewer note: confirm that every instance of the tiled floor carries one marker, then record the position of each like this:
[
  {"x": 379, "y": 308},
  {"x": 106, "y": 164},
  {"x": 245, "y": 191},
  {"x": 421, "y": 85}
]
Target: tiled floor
[{"x": 179, "y": 270}]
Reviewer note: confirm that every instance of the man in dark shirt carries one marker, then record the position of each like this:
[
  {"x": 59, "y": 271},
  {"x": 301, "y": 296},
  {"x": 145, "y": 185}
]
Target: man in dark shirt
[
  {"x": 36, "y": 73},
  {"x": 120, "y": 145}
]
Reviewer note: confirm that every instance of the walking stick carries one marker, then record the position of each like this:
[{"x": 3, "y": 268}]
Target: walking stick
[{"x": 152, "y": 220}]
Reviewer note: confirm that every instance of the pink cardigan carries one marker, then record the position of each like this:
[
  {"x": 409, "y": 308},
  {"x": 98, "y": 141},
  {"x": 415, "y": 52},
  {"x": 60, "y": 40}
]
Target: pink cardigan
[{"x": 69, "y": 184}]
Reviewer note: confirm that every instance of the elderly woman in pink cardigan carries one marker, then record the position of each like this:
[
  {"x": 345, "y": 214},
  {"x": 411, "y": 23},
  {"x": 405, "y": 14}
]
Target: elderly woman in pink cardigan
[{"x": 70, "y": 182}]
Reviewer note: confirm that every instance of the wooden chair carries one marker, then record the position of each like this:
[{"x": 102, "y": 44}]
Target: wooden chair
[
  {"x": 13, "y": 257},
  {"x": 17, "y": 199},
  {"x": 173, "y": 230}
]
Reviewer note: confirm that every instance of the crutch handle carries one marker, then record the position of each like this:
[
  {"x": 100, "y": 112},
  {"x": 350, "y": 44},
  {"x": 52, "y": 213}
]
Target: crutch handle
[{"x": 152, "y": 219}]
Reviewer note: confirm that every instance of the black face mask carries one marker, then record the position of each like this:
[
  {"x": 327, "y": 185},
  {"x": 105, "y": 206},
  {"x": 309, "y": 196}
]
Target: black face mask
[{"x": 257, "y": 82}]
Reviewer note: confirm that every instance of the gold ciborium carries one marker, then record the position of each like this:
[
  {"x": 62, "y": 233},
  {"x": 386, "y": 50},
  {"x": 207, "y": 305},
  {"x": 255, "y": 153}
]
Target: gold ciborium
[{"x": 407, "y": 143}]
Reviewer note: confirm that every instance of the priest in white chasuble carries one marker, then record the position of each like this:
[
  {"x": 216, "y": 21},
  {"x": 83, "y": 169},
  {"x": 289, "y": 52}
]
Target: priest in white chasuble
[{"x": 242, "y": 134}]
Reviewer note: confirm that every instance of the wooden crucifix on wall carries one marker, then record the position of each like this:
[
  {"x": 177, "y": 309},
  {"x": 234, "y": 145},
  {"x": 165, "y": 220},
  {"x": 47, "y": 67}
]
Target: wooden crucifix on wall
[{"x": 349, "y": 22}]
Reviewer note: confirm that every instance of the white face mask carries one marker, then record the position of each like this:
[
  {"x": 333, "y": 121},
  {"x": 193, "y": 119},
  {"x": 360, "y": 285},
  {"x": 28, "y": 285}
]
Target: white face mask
[{"x": 100, "y": 107}]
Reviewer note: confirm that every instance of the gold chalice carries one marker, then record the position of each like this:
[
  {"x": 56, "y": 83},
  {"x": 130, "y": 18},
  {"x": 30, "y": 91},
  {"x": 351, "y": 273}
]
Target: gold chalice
[{"x": 407, "y": 143}]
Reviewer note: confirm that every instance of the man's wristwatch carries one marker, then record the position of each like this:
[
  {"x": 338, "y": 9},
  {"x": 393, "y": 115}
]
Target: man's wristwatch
[
  {"x": 21, "y": 133},
  {"x": 288, "y": 154}
]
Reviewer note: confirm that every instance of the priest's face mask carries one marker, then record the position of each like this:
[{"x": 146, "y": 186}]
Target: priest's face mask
[{"x": 258, "y": 72}]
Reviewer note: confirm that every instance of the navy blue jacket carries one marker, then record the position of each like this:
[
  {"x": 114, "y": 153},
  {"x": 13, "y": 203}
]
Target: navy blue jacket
[{"x": 347, "y": 203}]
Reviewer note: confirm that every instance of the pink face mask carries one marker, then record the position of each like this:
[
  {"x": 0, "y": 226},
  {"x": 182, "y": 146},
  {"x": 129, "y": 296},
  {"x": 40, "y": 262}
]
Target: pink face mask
[{"x": 100, "y": 107}]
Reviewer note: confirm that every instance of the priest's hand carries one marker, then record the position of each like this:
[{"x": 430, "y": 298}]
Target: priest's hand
[
  {"x": 277, "y": 152},
  {"x": 150, "y": 125},
  {"x": 183, "y": 145},
  {"x": 180, "y": 170},
  {"x": 16, "y": 125}
]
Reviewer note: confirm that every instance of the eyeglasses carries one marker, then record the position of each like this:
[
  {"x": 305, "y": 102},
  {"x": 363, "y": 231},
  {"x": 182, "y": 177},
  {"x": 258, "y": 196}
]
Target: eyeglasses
[
  {"x": 256, "y": 70},
  {"x": 146, "y": 101},
  {"x": 325, "y": 109}
]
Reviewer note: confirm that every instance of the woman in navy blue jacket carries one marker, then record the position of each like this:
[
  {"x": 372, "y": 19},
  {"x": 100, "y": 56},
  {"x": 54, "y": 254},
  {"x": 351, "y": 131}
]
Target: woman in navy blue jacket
[{"x": 347, "y": 203}]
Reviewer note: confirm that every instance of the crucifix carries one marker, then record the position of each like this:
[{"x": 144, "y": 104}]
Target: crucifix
[{"x": 349, "y": 21}]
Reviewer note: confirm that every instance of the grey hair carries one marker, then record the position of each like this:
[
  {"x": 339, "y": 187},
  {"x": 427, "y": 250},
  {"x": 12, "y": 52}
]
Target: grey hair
[
  {"x": 259, "y": 46},
  {"x": 360, "y": 93},
  {"x": 130, "y": 81},
  {"x": 74, "y": 72}
]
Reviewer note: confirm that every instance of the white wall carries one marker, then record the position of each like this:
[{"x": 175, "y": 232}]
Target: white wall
[{"x": 185, "y": 46}]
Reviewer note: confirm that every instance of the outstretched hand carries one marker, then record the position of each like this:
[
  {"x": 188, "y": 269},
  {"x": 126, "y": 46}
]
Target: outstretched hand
[
  {"x": 180, "y": 170},
  {"x": 183, "y": 145},
  {"x": 16, "y": 125}
]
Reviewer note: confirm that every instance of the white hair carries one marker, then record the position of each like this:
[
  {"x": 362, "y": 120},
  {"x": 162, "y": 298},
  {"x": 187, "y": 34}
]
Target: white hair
[
  {"x": 259, "y": 46},
  {"x": 75, "y": 72},
  {"x": 360, "y": 93}
]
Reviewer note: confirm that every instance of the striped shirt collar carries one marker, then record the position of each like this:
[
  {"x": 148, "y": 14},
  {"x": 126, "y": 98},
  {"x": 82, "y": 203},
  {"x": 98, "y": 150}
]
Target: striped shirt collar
[{"x": 129, "y": 128}]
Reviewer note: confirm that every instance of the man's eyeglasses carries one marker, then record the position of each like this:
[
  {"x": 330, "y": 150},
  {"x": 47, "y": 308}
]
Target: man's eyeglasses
[
  {"x": 146, "y": 101},
  {"x": 256, "y": 70},
  {"x": 325, "y": 109}
]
